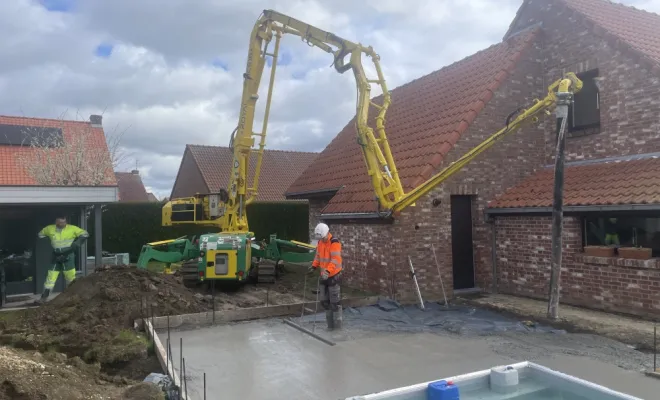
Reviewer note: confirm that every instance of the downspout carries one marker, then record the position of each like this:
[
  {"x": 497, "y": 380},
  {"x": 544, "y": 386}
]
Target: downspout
[{"x": 493, "y": 236}]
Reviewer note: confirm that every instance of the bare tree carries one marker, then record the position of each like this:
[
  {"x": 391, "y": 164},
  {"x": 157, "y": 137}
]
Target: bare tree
[
  {"x": 118, "y": 153},
  {"x": 75, "y": 155}
]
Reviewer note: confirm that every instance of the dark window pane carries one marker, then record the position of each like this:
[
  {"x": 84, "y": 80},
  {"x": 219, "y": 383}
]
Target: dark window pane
[
  {"x": 585, "y": 110},
  {"x": 628, "y": 231}
]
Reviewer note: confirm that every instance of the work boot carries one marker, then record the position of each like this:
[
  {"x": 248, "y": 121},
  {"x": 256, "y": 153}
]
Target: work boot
[
  {"x": 43, "y": 298},
  {"x": 329, "y": 319},
  {"x": 338, "y": 317}
]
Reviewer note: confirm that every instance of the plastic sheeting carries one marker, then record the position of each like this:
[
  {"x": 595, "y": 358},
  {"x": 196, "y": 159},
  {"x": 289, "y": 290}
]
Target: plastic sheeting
[{"x": 389, "y": 316}]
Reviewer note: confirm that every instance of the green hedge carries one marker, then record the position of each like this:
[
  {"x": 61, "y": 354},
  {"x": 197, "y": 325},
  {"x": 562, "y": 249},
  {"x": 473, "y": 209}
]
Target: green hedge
[{"x": 128, "y": 226}]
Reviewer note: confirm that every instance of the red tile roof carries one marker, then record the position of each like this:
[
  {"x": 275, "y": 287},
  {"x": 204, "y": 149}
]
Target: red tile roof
[
  {"x": 278, "y": 169},
  {"x": 621, "y": 182},
  {"x": 639, "y": 29},
  {"x": 131, "y": 187},
  {"x": 426, "y": 118},
  {"x": 13, "y": 173}
]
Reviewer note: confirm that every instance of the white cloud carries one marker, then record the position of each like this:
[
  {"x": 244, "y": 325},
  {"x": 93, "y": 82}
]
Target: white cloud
[{"x": 159, "y": 82}]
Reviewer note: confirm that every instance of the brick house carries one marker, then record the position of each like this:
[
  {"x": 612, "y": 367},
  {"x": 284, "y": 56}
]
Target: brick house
[
  {"x": 131, "y": 188},
  {"x": 498, "y": 207},
  {"x": 32, "y": 196},
  {"x": 206, "y": 169}
]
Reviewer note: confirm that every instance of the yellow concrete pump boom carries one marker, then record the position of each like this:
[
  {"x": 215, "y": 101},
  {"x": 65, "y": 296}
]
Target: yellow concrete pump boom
[
  {"x": 570, "y": 83},
  {"x": 226, "y": 209}
]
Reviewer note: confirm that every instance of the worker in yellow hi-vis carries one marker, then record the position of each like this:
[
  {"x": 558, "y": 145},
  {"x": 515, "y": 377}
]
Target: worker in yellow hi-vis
[{"x": 65, "y": 239}]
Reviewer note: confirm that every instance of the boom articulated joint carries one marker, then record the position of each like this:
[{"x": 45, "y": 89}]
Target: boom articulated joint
[{"x": 560, "y": 93}]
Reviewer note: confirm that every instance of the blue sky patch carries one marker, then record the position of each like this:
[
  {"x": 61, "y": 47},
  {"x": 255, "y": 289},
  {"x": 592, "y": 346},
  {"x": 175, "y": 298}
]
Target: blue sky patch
[
  {"x": 299, "y": 75},
  {"x": 284, "y": 58},
  {"x": 58, "y": 5},
  {"x": 219, "y": 63},
  {"x": 103, "y": 50}
]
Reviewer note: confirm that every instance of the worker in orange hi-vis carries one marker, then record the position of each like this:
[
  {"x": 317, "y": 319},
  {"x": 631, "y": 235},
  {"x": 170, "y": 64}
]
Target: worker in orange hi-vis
[{"x": 328, "y": 261}]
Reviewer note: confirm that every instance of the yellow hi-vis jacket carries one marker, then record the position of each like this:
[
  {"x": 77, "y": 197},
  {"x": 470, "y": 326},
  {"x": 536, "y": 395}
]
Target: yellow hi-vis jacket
[{"x": 62, "y": 239}]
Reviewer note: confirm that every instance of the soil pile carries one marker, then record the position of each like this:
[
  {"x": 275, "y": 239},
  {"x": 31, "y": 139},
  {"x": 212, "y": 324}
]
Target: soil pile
[
  {"x": 93, "y": 318},
  {"x": 32, "y": 375}
]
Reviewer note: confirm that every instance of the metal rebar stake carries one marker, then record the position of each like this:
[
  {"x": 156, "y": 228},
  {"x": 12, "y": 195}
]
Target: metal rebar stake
[
  {"x": 316, "y": 307},
  {"x": 302, "y": 312},
  {"x": 180, "y": 355},
  {"x": 655, "y": 347},
  {"x": 204, "y": 385},
  {"x": 167, "y": 358},
  {"x": 185, "y": 380}
]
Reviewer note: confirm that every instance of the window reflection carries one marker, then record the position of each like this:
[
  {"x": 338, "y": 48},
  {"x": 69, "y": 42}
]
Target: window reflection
[{"x": 623, "y": 231}]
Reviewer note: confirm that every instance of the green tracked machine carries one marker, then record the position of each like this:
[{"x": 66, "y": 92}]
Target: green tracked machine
[
  {"x": 236, "y": 257},
  {"x": 234, "y": 254}
]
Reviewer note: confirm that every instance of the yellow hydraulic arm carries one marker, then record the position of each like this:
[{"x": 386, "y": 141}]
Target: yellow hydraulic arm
[
  {"x": 227, "y": 210},
  {"x": 379, "y": 160},
  {"x": 570, "y": 83}
]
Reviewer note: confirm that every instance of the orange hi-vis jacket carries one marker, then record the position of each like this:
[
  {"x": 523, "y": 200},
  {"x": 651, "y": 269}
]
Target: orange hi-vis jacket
[{"x": 328, "y": 255}]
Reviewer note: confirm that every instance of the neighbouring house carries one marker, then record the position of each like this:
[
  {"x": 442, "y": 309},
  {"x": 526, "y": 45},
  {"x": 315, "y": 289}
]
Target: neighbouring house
[
  {"x": 490, "y": 224},
  {"x": 48, "y": 168},
  {"x": 206, "y": 169},
  {"x": 131, "y": 188}
]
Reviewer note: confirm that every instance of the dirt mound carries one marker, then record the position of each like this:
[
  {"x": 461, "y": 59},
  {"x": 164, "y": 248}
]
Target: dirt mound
[
  {"x": 93, "y": 318},
  {"x": 35, "y": 376}
]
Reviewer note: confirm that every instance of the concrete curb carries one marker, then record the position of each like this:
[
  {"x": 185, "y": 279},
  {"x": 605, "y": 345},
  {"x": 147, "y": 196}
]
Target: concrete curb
[
  {"x": 245, "y": 314},
  {"x": 652, "y": 374},
  {"x": 161, "y": 354}
]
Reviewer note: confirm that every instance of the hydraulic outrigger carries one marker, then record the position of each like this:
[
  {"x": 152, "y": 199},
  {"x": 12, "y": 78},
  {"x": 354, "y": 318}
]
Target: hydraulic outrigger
[{"x": 233, "y": 253}]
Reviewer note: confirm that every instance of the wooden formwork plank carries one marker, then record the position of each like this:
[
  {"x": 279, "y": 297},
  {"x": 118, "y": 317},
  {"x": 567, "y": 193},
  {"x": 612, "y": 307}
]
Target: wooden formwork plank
[
  {"x": 161, "y": 354},
  {"x": 244, "y": 314}
]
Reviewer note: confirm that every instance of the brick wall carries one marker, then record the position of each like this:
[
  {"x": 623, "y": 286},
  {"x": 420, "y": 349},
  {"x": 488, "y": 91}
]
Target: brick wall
[
  {"x": 315, "y": 207},
  {"x": 376, "y": 256},
  {"x": 629, "y": 100},
  {"x": 629, "y": 124},
  {"x": 610, "y": 284}
]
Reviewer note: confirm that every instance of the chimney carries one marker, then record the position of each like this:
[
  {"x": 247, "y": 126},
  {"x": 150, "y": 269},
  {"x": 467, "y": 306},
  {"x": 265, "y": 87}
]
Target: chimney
[
  {"x": 96, "y": 120},
  {"x": 135, "y": 172}
]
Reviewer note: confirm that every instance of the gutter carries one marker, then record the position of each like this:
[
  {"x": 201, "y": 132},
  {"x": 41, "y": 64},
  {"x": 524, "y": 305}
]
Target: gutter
[
  {"x": 572, "y": 209},
  {"x": 631, "y": 157},
  {"x": 313, "y": 193},
  {"x": 371, "y": 215}
]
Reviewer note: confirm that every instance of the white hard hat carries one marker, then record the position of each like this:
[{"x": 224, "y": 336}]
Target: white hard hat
[{"x": 321, "y": 230}]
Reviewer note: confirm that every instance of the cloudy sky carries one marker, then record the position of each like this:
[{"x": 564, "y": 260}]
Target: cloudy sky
[{"x": 169, "y": 72}]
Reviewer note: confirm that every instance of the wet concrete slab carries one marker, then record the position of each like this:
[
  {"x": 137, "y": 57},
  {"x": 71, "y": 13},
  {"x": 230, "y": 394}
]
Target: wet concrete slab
[
  {"x": 271, "y": 360},
  {"x": 267, "y": 359}
]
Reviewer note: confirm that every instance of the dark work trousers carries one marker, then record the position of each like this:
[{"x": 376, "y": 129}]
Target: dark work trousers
[
  {"x": 330, "y": 298},
  {"x": 330, "y": 292}
]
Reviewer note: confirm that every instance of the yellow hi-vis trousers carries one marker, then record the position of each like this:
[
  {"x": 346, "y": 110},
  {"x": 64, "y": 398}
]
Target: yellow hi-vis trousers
[{"x": 68, "y": 268}]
